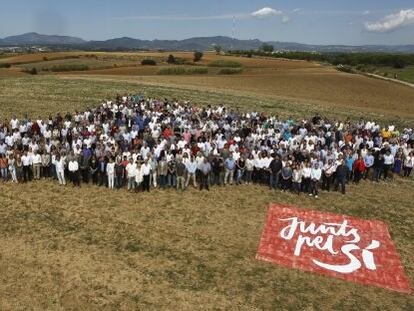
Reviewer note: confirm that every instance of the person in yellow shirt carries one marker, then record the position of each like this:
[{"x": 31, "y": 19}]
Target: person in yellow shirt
[{"x": 386, "y": 133}]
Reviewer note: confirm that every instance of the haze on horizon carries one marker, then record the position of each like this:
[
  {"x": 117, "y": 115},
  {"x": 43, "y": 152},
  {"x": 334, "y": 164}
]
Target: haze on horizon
[{"x": 312, "y": 22}]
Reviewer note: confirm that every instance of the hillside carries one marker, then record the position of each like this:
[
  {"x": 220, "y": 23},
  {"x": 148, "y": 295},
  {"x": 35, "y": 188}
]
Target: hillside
[{"x": 197, "y": 43}]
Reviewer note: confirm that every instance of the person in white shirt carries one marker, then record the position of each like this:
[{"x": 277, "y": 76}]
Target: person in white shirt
[
  {"x": 146, "y": 172},
  {"x": 27, "y": 167},
  {"x": 408, "y": 164},
  {"x": 191, "y": 166},
  {"x": 138, "y": 177},
  {"x": 12, "y": 168},
  {"x": 249, "y": 169},
  {"x": 37, "y": 165},
  {"x": 388, "y": 163},
  {"x": 316, "y": 174},
  {"x": 73, "y": 168},
  {"x": 131, "y": 170},
  {"x": 328, "y": 170},
  {"x": 110, "y": 171},
  {"x": 60, "y": 169},
  {"x": 306, "y": 176},
  {"x": 296, "y": 178}
]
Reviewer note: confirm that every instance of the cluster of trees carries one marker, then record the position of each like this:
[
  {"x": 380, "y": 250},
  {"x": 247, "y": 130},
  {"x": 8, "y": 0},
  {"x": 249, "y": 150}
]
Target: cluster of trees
[
  {"x": 350, "y": 59},
  {"x": 171, "y": 59}
]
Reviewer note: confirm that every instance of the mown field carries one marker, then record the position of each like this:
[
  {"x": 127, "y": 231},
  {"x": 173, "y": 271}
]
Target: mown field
[
  {"x": 95, "y": 249},
  {"x": 265, "y": 78}
]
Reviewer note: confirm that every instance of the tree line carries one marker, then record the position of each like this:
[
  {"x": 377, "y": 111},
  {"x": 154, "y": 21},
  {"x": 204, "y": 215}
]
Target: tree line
[{"x": 350, "y": 59}]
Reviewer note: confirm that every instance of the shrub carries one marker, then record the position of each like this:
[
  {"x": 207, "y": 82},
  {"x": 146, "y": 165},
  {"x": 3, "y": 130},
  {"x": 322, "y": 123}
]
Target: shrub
[
  {"x": 45, "y": 58},
  {"x": 182, "y": 71},
  {"x": 197, "y": 56},
  {"x": 346, "y": 69},
  {"x": 171, "y": 59},
  {"x": 5, "y": 65},
  {"x": 59, "y": 68},
  {"x": 230, "y": 71},
  {"x": 182, "y": 61},
  {"x": 148, "y": 62},
  {"x": 225, "y": 63},
  {"x": 32, "y": 71}
]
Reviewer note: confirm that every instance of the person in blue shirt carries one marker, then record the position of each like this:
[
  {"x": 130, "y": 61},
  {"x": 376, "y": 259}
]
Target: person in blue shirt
[
  {"x": 287, "y": 135},
  {"x": 349, "y": 162},
  {"x": 369, "y": 162},
  {"x": 229, "y": 167}
]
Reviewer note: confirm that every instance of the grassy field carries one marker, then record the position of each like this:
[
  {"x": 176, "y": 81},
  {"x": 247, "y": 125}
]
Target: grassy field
[
  {"x": 405, "y": 74},
  {"x": 95, "y": 249},
  {"x": 43, "y": 95},
  {"x": 92, "y": 249}
]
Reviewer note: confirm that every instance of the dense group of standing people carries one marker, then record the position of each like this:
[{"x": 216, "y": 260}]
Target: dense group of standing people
[{"x": 143, "y": 143}]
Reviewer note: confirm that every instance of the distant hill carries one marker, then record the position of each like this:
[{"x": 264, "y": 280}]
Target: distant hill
[
  {"x": 198, "y": 43},
  {"x": 33, "y": 38}
]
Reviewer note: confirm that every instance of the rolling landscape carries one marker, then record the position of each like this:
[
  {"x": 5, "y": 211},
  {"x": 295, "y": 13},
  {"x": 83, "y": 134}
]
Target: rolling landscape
[
  {"x": 197, "y": 43},
  {"x": 78, "y": 238}
]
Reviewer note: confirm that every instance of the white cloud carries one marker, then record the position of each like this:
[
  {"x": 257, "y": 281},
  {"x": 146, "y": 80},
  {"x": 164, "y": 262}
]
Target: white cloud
[
  {"x": 296, "y": 10},
  {"x": 286, "y": 19},
  {"x": 265, "y": 12},
  {"x": 367, "y": 12},
  {"x": 392, "y": 21}
]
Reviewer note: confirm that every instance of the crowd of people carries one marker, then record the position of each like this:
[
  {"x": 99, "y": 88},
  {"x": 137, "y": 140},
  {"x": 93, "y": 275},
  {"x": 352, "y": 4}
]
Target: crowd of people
[{"x": 143, "y": 143}]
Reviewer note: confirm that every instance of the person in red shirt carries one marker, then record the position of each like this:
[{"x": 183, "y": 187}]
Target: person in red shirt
[
  {"x": 167, "y": 133},
  {"x": 358, "y": 168}
]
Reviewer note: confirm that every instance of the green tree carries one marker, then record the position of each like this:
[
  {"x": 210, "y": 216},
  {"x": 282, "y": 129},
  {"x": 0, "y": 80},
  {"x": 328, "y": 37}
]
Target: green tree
[
  {"x": 399, "y": 63},
  {"x": 197, "y": 56},
  {"x": 218, "y": 48},
  {"x": 268, "y": 48}
]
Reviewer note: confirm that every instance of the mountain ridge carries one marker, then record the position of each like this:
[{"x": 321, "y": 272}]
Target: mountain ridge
[{"x": 190, "y": 44}]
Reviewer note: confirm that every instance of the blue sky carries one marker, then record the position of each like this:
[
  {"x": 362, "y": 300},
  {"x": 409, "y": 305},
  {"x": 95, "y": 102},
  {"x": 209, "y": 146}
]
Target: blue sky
[{"x": 306, "y": 21}]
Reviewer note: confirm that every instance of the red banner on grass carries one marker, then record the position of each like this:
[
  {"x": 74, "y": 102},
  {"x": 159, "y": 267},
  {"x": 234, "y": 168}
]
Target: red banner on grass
[{"x": 340, "y": 246}]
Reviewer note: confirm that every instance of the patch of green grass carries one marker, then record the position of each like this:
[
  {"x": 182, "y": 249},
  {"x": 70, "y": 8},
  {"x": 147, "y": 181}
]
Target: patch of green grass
[
  {"x": 225, "y": 63},
  {"x": 230, "y": 71},
  {"x": 404, "y": 74},
  {"x": 182, "y": 70}
]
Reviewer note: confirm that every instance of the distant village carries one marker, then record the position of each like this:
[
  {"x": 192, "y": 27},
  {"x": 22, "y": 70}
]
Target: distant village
[{"x": 24, "y": 49}]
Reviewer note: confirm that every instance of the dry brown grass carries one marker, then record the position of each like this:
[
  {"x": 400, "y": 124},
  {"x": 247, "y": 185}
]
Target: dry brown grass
[{"x": 95, "y": 249}]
